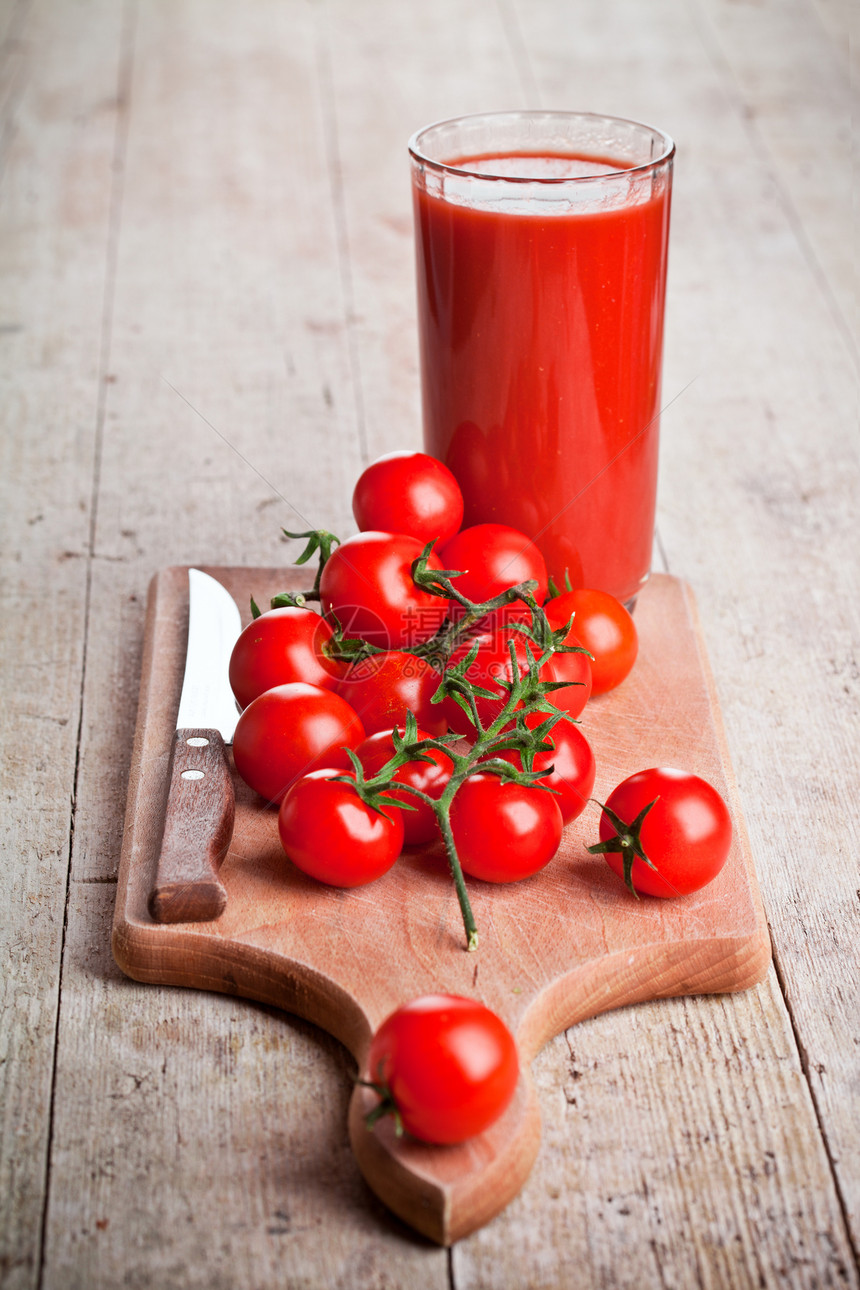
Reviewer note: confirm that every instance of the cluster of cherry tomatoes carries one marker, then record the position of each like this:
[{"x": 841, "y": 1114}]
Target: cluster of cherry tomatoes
[{"x": 436, "y": 693}]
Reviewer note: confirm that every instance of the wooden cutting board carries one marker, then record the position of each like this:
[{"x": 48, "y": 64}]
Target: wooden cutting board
[{"x": 563, "y": 945}]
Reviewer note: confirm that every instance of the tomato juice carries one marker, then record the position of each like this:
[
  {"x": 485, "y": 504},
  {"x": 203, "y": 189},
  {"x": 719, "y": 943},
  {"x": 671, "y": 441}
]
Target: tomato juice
[{"x": 541, "y": 286}]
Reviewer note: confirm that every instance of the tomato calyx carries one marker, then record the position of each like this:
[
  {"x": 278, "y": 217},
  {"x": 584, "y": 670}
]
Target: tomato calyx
[
  {"x": 547, "y": 638},
  {"x": 385, "y": 1106},
  {"x": 374, "y": 792},
  {"x": 627, "y": 842},
  {"x": 526, "y": 691},
  {"x": 348, "y": 649}
]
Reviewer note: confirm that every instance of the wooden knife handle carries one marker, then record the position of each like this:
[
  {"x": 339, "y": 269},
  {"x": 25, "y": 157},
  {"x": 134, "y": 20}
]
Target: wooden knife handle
[{"x": 198, "y": 826}]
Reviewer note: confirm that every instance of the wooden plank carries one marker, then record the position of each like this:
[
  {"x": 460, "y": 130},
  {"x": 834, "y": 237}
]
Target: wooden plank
[
  {"x": 654, "y": 1175},
  {"x": 203, "y": 1164},
  {"x": 787, "y": 675},
  {"x": 797, "y": 89},
  {"x": 228, "y": 358},
  {"x": 56, "y": 146}
]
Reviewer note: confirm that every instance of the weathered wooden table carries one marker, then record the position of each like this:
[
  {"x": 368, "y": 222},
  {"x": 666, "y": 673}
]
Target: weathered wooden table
[{"x": 207, "y": 325}]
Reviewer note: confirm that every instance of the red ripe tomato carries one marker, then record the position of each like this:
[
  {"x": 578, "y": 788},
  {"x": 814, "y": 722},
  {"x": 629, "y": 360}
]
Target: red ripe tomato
[
  {"x": 367, "y": 583},
  {"x": 491, "y": 558},
  {"x": 290, "y": 730},
  {"x": 409, "y": 492},
  {"x": 282, "y": 645},
  {"x": 573, "y": 765},
  {"x": 449, "y": 1065},
  {"x": 419, "y": 825},
  {"x": 686, "y": 835},
  {"x": 332, "y": 835},
  {"x": 504, "y": 832},
  {"x": 604, "y": 627},
  {"x": 384, "y": 687}
]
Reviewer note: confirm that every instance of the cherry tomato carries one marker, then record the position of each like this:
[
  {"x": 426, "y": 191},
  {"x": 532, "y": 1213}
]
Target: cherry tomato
[
  {"x": 491, "y": 558},
  {"x": 281, "y": 645},
  {"x": 686, "y": 835},
  {"x": 384, "y": 687},
  {"x": 450, "y": 1066},
  {"x": 290, "y": 730},
  {"x": 573, "y": 765},
  {"x": 367, "y": 583},
  {"x": 332, "y": 835},
  {"x": 409, "y": 492},
  {"x": 419, "y": 825},
  {"x": 604, "y": 627},
  {"x": 504, "y": 832}
]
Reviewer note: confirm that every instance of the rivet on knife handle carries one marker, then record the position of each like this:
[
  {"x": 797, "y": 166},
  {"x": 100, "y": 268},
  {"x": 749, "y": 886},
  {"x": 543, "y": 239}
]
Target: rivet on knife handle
[{"x": 198, "y": 827}]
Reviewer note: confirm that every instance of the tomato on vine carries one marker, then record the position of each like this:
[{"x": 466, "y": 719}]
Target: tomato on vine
[
  {"x": 331, "y": 834},
  {"x": 384, "y": 687},
  {"x": 504, "y": 831},
  {"x": 666, "y": 832},
  {"x": 492, "y": 557},
  {"x": 572, "y": 762},
  {"x": 280, "y": 646},
  {"x": 446, "y": 1067},
  {"x": 429, "y": 776},
  {"x": 367, "y": 584},
  {"x": 604, "y": 627}
]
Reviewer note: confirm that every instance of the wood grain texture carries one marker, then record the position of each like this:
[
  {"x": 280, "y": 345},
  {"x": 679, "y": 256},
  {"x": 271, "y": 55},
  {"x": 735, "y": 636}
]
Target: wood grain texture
[
  {"x": 260, "y": 231},
  {"x": 56, "y": 148},
  {"x": 566, "y": 944},
  {"x": 198, "y": 827}
]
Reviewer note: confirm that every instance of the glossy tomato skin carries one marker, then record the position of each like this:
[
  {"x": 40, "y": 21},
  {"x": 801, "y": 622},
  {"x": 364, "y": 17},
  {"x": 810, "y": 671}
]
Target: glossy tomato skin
[
  {"x": 687, "y": 834},
  {"x": 384, "y": 687},
  {"x": 504, "y": 832},
  {"x": 331, "y": 835},
  {"x": 450, "y": 1064},
  {"x": 409, "y": 492},
  {"x": 280, "y": 646},
  {"x": 367, "y": 584},
  {"x": 606, "y": 629},
  {"x": 572, "y": 760},
  {"x": 491, "y": 558},
  {"x": 419, "y": 825},
  {"x": 290, "y": 730}
]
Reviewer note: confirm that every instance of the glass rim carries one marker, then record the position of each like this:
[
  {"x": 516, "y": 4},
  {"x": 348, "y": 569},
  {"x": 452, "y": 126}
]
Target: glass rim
[{"x": 444, "y": 167}]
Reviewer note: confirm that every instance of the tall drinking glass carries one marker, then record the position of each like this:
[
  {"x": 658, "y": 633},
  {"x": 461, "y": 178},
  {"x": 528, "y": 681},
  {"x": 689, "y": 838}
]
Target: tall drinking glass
[{"x": 541, "y": 241}]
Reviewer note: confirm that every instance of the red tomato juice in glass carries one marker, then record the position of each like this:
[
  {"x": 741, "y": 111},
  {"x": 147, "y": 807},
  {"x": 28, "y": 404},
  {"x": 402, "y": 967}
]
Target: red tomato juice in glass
[{"x": 541, "y": 335}]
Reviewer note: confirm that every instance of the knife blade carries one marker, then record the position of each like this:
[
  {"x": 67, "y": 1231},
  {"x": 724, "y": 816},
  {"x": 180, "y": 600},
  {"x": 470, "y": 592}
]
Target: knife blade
[{"x": 198, "y": 823}]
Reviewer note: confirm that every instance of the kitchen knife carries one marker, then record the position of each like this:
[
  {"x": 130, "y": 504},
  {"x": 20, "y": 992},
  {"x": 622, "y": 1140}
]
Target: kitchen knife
[{"x": 198, "y": 822}]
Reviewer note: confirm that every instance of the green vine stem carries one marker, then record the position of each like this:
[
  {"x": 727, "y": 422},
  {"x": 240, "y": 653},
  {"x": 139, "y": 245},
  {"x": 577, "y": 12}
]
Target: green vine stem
[{"x": 526, "y": 694}]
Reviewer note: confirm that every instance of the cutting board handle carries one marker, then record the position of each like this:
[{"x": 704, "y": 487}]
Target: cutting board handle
[{"x": 447, "y": 1192}]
